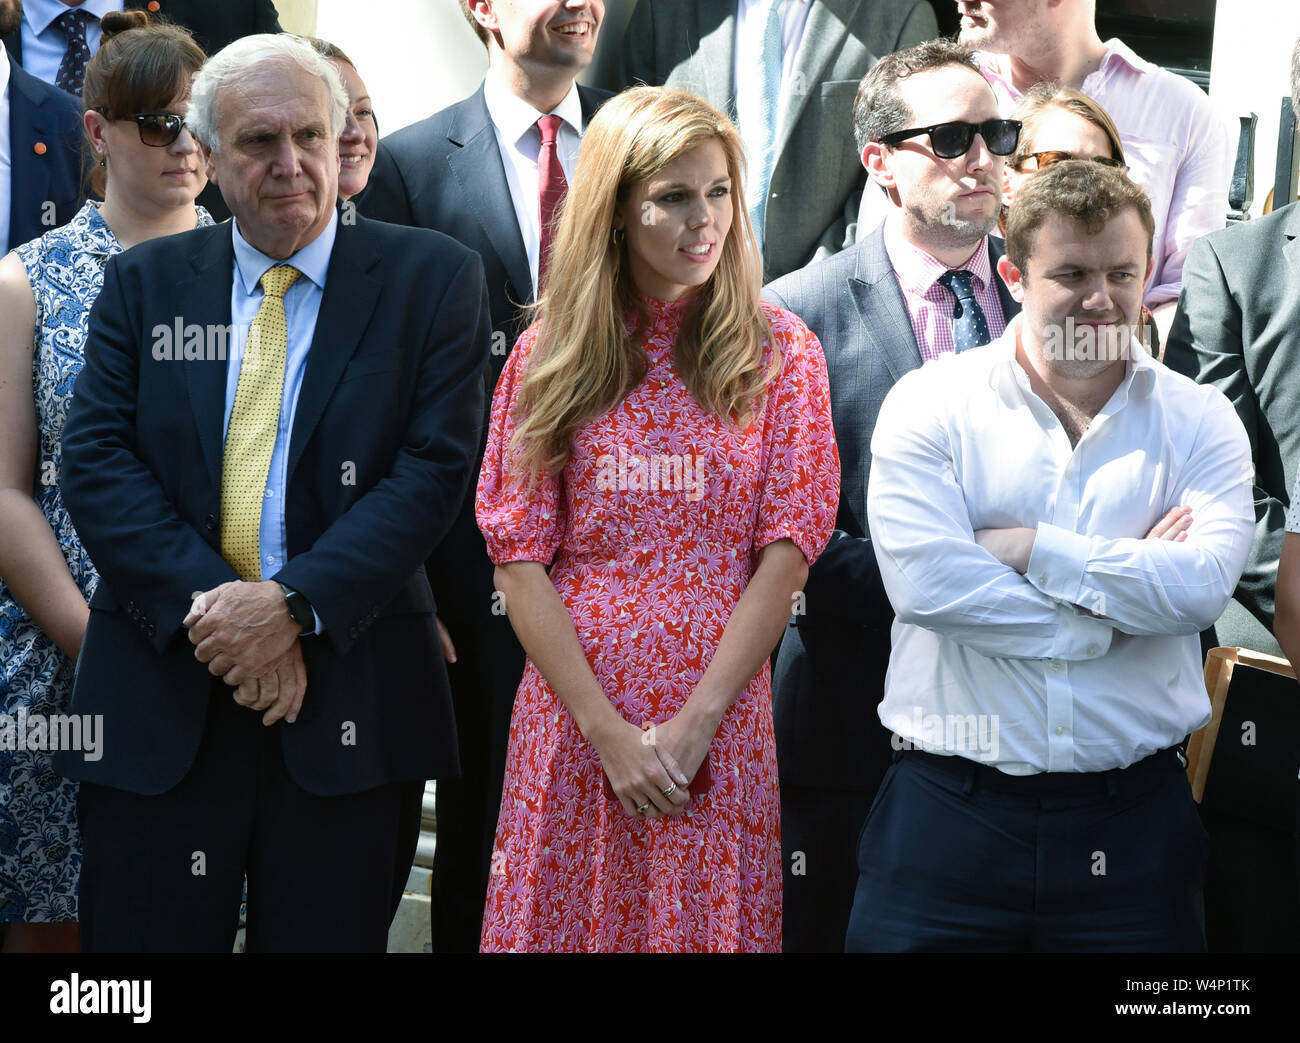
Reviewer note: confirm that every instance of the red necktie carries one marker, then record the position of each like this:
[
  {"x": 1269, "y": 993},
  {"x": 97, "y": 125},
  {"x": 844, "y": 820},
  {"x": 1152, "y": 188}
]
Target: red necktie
[{"x": 551, "y": 189}]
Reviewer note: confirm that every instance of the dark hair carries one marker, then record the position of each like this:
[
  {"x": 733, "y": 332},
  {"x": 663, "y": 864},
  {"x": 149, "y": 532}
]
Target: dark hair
[
  {"x": 140, "y": 66},
  {"x": 1078, "y": 190},
  {"x": 479, "y": 31},
  {"x": 330, "y": 51},
  {"x": 879, "y": 108}
]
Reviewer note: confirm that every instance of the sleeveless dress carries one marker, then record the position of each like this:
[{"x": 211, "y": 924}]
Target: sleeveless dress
[
  {"x": 40, "y": 855},
  {"x": 654, "y": 526}
]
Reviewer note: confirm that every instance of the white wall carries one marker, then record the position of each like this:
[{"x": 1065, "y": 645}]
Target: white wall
[{"x": 1250, "y": 72}]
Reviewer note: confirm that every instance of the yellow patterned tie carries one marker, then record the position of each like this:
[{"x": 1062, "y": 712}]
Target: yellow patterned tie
[{"x": 254, "y": 423}]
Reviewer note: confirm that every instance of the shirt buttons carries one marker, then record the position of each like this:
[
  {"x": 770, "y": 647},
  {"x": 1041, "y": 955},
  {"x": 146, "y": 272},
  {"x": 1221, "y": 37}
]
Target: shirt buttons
[
  {"x": 1056, "y": 666},
  {"x": 269, "y": 493},
  {"x": 270, "y": 559},
  {"x": 1092, "y": 649},
  {"x": 1042, "y": 579},
  {"x": 1060, "y": 729}
]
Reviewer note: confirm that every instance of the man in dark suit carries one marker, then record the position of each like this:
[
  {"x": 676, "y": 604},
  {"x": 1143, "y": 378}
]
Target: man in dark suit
[
  {"x": 821, "y": 49},
  {"x": 40, "y": 148},
  {"x": 880, "y": 309},
  {"x": 280, "y": 507},
  {"x": 1236, "y": 328},
  {"x": 474, "y": 171}
]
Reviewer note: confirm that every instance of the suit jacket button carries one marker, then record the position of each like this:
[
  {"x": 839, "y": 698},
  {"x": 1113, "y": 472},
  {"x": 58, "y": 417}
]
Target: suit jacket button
[{"x": 210, "y": 523}]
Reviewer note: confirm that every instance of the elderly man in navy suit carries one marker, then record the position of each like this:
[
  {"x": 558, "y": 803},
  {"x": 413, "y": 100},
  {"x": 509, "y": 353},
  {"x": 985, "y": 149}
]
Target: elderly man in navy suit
[
  {"x": 259, "y": 504},
  {"x": 489, "y": 171},
  {"x": 40, "y": 147}
]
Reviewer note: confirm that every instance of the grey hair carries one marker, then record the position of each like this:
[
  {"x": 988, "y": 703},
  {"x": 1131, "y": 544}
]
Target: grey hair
[
  {"x": 235, "y": 60},
  {"x": 1295, "y": 79}
]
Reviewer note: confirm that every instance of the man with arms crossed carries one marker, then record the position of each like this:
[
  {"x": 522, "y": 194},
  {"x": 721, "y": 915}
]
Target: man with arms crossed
[{"x": 1046, "y": 663}]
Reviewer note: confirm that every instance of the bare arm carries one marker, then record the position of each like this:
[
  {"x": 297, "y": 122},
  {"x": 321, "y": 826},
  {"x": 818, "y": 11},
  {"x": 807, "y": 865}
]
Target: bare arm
[
  {"x": 751, "y": 633},
  {"x": 31, "y": 560},
  {"x": 545, "y": 629}
]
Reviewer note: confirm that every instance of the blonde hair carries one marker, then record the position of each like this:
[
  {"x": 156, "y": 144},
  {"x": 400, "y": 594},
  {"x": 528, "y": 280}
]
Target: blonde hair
[{"x": 585, "y": 360}]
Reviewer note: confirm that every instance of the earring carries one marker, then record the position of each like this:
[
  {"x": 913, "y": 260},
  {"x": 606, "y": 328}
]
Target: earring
[{"x": 617, "y": 236}]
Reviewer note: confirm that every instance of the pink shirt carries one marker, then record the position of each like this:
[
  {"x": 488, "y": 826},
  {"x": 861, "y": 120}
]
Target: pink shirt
[
  {"x": 929, "y": 303},
  {"x": 1177, "y": 146}
]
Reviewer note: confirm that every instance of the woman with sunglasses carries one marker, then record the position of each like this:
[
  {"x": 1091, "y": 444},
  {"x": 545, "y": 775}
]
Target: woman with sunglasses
[
  {"x": 1063, "y": 123},
  {"x": 149, "y": 171}
]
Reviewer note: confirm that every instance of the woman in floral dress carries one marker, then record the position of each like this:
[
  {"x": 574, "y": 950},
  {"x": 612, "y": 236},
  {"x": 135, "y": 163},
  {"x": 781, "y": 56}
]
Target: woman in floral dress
[
  {"x": 662, "y": 442},
  {"x": 149, "y": 172}
]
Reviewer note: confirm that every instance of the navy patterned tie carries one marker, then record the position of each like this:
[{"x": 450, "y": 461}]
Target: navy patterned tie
[
  {"x": 969, "y": 327},
  {"x": 73, "y": 67}
]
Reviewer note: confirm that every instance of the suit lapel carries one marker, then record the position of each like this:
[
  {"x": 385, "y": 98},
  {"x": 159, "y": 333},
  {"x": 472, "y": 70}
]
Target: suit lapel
[
  {"x": 349, "y": 299},
  {"x": 1010, "y": 306},
  {"x": 885, "y": 324},
  {"x": 206, "y": 294},
  {"x": 1291, "y": 251},
  {"x": 824, "y": 32},
  {"x": 476, "y": 166}
]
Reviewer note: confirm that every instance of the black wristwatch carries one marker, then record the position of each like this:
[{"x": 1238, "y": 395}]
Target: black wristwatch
[{"x": 300, "y": 609}]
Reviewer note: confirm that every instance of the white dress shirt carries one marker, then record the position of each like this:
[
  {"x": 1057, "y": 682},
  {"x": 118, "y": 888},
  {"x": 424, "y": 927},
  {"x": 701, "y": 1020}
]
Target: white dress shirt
[
  {"x": 6, "y": 155},
  {"x": 962, "y": 444},
  {"x": 749, "y": 48},
  {"x": 43, "y": 44},
  {"x": 519, "y": 141}
]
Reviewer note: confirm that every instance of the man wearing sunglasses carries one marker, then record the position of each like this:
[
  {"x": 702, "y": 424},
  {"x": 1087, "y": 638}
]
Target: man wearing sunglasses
[
  {"x": 1177, "y": 147},
  {"x": 922, "y": 285}
]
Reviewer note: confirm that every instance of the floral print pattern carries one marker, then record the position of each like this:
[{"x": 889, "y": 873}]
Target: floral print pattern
[{"x": 654, "y": 527}]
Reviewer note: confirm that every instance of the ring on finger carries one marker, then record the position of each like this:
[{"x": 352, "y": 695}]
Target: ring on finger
[
  {"x": 641, "y": 809},
  {"x": 670, "y": 790}
]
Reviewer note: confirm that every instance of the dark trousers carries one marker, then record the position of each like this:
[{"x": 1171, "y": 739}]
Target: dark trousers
[
  {"x": 489, "y": 665},
  {"x": 957, "y": 856},
  {"x": 164, "y": 873},
  {"x": 819, "y": 831}
]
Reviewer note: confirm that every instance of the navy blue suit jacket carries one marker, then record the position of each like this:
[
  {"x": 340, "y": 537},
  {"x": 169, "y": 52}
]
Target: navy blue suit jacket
[
  {"x": 380, "y": 457},
  {"x": 47, "y": 187}
]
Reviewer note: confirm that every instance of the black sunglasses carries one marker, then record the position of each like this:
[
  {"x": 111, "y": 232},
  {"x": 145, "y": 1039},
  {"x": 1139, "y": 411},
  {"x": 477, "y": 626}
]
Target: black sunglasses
[
  {"x": 950, "y": 140},
  {"x": 1046, "y": 159},
  {"x": 157, "y": 129}
]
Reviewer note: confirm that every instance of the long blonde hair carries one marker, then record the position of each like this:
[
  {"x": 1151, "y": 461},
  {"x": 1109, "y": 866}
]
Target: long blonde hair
[{"x": 585, "y": 360}]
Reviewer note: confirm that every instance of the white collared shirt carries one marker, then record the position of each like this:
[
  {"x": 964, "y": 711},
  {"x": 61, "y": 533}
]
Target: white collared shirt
[
  {"x": 6, "y": 155},
  {"x": 749, "y": 47},
  {"x": 519, "y": 141},
  {"x": 43, "y": 44},
  {"x": 963, "y": 443}
]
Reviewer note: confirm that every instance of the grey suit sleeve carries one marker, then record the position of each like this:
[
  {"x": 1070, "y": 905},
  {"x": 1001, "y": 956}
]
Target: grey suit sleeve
[
  {"x": 844, "y": 582},
  {"x": 843, "y": 231},
  {"x": 1205, "y": 343},
  {"x": 919, "y": 25},
  {"x": 638, "y": 60}
]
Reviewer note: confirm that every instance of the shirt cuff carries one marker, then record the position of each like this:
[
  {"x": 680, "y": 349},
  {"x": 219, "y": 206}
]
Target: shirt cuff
[
  {"x": 1080, "y": 636},
  {"x": 1057, "y": 563}
]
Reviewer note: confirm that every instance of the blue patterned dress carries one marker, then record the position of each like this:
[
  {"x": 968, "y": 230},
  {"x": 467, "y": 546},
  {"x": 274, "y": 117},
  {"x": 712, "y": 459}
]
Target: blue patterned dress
[{"x": 40, "y": 853}]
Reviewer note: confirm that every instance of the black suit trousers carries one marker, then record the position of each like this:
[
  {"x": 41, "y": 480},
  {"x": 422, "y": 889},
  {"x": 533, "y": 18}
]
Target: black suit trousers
[{"x": 164, "y": 873}]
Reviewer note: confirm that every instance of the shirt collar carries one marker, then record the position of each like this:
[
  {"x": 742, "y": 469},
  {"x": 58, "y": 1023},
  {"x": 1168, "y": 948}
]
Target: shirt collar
[
  {"x": 1006, "y": 375},
  {"x": 313, "y": 260},
  {"x": 918, "y": 270},
  {"x": 40, "y": 13},
  {"x": 514, "y": 117},
  {"x": 1120, "y": 53}
]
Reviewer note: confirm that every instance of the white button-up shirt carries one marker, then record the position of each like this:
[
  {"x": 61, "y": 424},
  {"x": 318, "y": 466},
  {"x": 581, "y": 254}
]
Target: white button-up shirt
[
  {"x": 1019, "y": 671},
  {"x": 6, "y": 154},
  {"x": 520, "y": 143}
]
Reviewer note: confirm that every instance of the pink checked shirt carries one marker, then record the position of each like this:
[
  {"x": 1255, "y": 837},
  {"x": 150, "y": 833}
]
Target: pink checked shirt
[
  {"x": 1177, "y": 146},
  {"x": 930, "y": 304}
]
